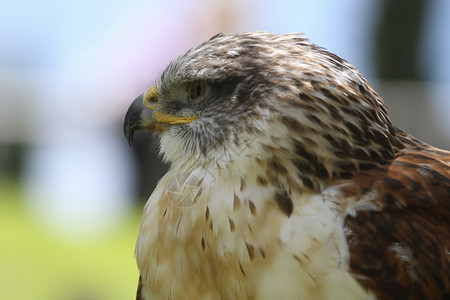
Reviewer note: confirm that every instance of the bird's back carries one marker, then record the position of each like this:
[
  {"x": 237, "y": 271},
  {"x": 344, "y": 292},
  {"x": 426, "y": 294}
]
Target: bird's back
[{"x": 399, "y": 240}]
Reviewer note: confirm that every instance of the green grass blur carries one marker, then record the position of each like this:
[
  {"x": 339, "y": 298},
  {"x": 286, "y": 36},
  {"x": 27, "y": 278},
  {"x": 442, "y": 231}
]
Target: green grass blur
[{"x": 36, "y": 264}]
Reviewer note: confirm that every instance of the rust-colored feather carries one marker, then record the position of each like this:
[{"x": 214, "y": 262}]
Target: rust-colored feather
[{"x": 402, "y": 249}]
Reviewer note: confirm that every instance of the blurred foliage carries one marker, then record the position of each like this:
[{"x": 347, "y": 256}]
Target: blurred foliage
[
  {"x": 35, "y": 264},
  {"x": 398, "y": 38},
  {"x": 11, "y": 160}
]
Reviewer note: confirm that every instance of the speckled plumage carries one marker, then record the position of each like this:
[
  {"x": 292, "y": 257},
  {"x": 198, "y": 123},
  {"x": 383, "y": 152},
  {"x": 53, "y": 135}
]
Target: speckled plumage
[{"x": 291, "y": 182}]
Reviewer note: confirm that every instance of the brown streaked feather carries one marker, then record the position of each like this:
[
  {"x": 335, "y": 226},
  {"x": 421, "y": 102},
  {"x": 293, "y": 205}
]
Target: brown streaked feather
[{"x": 402, "y": 250}]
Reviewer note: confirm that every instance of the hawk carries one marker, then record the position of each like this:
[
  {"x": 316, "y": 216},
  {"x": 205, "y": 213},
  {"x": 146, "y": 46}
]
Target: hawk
[{"x": 287, "y": 181}]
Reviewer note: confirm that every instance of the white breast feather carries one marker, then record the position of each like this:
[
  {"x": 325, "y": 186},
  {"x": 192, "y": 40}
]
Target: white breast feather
[{"x": 176, "y": 264}]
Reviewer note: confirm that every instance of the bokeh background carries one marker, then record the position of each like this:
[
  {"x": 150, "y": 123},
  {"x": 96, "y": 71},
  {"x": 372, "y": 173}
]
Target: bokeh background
[{"x": 71, "y": 190}]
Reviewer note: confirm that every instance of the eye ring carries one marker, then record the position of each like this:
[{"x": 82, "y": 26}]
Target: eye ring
[{"x": 196, "y": 90}]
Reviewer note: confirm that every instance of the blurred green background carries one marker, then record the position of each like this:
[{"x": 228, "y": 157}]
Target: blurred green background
[
  {"x": 72, "y": 191},
  {"x": 36, "y": 264}
]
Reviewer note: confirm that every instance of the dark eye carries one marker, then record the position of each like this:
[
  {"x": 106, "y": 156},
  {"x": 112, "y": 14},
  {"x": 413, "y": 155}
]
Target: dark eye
[{"x": 196, "y": 90}]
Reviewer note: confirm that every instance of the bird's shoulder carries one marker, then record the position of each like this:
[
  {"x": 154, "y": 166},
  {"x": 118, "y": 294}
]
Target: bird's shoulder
[{"x": 398, "y": 229}]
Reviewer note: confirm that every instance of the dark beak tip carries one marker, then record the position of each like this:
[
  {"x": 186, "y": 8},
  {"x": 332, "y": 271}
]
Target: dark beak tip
[
  {"x": 132, "y": 120},
  {"x": 129, "y": 134},
  {"x": 130, "y": 142},
  {"x": 128, "y": 131},
  {"x": 138, "y": 118}
]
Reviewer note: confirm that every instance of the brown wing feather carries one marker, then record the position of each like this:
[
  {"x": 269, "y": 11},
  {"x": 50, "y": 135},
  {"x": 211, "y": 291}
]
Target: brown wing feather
[{"x": 402, "y": 250}]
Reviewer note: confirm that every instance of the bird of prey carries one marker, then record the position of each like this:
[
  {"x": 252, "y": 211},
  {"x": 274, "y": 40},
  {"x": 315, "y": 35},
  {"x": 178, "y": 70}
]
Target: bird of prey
[{"x": 287, "y": 181}]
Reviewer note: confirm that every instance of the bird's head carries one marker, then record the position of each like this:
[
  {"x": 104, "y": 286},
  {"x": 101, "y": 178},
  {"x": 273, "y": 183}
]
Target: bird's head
[{"x": 278, "y": 96}]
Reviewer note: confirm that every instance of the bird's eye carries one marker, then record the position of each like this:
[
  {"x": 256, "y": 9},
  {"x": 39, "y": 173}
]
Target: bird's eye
[{"x": 196, "y": 89}]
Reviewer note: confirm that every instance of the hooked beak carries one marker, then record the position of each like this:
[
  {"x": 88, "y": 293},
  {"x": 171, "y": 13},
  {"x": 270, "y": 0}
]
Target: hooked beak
[
  {"x": 141, "y": 115},
  {"x": 138, "y": 117}
]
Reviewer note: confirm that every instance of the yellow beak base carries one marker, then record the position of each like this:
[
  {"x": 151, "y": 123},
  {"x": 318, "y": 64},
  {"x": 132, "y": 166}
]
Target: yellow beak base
[
  {"x": 151, "y": 98},
  {"x": 142, "y": 115}
]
